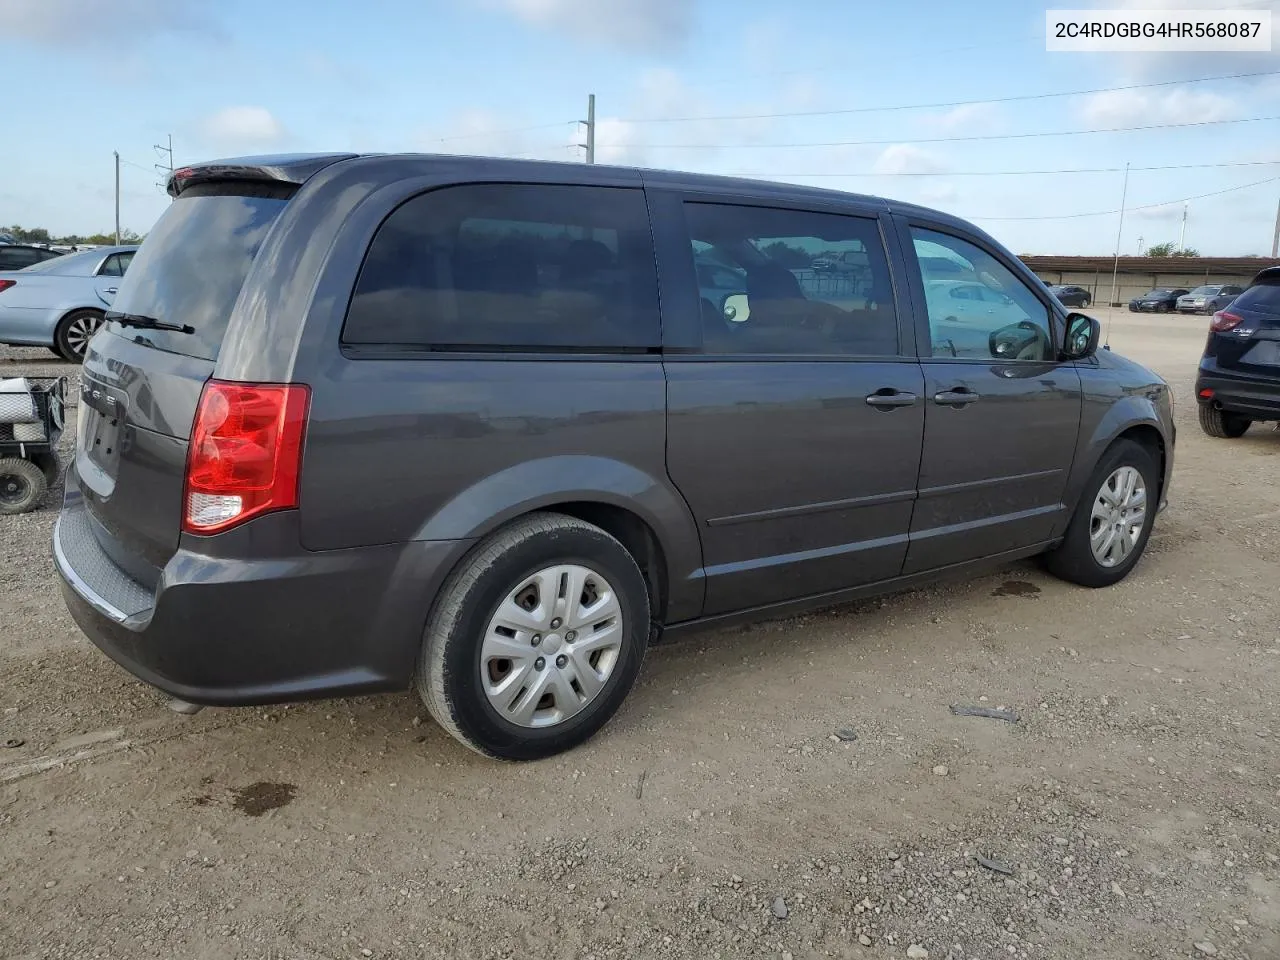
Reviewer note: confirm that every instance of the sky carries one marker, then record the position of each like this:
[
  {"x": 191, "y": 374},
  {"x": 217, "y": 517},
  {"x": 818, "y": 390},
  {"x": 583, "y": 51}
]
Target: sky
[{"x": 674, "y": 80}]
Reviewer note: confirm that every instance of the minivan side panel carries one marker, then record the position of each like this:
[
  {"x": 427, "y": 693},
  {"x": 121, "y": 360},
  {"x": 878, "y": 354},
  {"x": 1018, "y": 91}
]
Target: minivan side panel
[
  {"x": 401, "y": 450},
  {"x": 993, "y": 470},
  {"x": 799, "y": 485},
  {"x": 405, "y": 446}
]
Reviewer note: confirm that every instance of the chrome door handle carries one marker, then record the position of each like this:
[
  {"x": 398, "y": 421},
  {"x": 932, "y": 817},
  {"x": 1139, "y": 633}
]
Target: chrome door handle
[
  {"x": 956, "y": 398},
  {"x": 887, "y": 401},
  {"x": 111, "y": 290}
]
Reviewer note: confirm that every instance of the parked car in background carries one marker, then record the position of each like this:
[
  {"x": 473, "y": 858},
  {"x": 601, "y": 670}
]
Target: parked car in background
[
  {"x": 1239, "y": 377},
  {"x": 478, "y": 440},
  {"x": 1159, "y": 300},
  {"x": 18, "y": 256},
  {"x": 62, "y": 301},
  {"x": 1209, "y": 298},
  {"x": 1071, "y": 296}
]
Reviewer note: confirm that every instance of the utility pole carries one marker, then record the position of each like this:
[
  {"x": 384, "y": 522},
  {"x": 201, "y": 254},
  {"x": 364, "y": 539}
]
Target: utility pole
[
  {"x": 1140, "y": 246},
  {"x": 1182, "y": 237},
  {"x": 1115, "y": 270},
  {"x": 166, "y": 168},
  {"x": 1275, "y": 237},
  {"x": 590, "y": 145},
  {"x": 117, "y": 155}
]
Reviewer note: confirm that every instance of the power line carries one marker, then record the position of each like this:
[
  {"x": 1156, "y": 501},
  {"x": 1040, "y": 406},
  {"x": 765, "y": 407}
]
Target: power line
[
  {"x": 960, "y": 139},
  {"x": 951, "y": 103},
  {"x": 1145, "y": 206},
  {"x": 497, "y": 133},
  {"x": 1020, "y": 173},
  {"x": 130, "y": 163}
]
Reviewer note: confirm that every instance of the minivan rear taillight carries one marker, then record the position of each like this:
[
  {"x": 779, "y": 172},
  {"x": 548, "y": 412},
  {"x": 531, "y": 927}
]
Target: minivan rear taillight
[
  {"x": 245, "y": 455},
  {"x": 1223, "y": 321}
]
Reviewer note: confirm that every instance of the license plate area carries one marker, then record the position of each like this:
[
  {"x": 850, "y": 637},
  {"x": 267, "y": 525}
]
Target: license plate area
[{"x": 100, "y": 432}]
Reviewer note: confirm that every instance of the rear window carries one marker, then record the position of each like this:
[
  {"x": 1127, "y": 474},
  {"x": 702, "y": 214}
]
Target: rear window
[
  {"x": 194, "y": 262},
  {"x": 510, "y": 267},
  {"x": 1262, "y": 296}
]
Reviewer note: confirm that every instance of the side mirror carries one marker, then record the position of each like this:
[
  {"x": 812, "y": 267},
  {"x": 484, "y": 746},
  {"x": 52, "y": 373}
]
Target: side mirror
[
  {"x": 735, "y": 308},
  {"x": 1083, "y": 334}
]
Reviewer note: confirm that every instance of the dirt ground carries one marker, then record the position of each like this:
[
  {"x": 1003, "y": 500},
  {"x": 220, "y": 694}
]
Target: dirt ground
[{"x": 1130, "y": 812}]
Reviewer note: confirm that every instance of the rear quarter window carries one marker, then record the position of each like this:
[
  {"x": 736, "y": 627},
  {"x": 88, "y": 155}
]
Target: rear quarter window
[{"x": 510, "y": 267}]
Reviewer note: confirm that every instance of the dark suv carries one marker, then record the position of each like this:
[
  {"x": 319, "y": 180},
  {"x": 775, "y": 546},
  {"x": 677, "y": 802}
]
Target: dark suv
[
  {"x": 481, "y": 427},
  {"x": 1239, "y": 378}
]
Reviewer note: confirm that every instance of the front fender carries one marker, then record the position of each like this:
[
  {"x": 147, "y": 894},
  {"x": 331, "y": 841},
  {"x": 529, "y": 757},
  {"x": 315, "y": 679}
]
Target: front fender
[
  {"x": 1103, "y": 421},
  {"x": 541, "y": 484}
]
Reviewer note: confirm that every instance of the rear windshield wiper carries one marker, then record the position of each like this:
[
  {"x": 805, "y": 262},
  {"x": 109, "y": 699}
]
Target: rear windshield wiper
[{"x": 147, "y": 323}]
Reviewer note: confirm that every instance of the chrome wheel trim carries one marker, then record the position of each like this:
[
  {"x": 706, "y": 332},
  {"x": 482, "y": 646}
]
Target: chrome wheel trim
[
  {"x": 1118, "y": 514},
  {"x": 551, "y": 646}
]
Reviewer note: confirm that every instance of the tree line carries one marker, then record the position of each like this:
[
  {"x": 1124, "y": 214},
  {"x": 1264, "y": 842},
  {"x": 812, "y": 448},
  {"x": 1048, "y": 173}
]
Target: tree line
[{"x": 21, "y": 234}]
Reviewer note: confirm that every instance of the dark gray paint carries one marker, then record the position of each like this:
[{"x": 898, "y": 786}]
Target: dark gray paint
[{"x": 769, "y": 484}]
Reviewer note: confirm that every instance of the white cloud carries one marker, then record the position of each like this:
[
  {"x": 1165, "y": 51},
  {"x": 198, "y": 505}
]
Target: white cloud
[
  {"x": 968, "y": 118},
  {"x": 648, "y": 24},
  {"x": 74, "y": 22},
  {"x": 903, "y": 158},
  {"x": 1123, "y": 108},
  {"x": 243, "y": 126},
  {"x": 482, "y": 132}
]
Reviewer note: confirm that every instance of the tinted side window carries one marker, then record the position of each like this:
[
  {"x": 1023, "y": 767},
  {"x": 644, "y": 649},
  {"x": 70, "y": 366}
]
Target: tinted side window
[
  {"x": 502, "y": 266},
  {"x": 17, "y": 259},
  {"x": 794, "y": 282},
  {"x": 1007, "y": 321},
  {"x": 111, "y": 267}
]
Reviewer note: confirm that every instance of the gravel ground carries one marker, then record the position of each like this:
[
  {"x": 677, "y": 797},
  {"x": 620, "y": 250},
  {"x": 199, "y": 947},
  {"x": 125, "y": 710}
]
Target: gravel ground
[{"x": 795, "y": 789}]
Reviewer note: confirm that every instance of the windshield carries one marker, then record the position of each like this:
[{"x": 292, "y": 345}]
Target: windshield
[
  {"x": 194, "y": 262},
  {"x": 1161, "y": 292},
  {"x": 1205, "y": 291}
]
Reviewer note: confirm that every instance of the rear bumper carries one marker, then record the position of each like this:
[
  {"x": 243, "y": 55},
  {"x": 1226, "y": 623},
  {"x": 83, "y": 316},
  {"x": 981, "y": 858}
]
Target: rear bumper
[
  {"x": 291, "y": 625},
  {"x": 1251, "y": 396}
]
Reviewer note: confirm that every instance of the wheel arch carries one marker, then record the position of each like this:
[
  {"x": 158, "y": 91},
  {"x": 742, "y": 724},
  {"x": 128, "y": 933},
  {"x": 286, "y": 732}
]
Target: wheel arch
[
  {"x": 645, "y": 514},
  {"x": 1132, "y": 418}
]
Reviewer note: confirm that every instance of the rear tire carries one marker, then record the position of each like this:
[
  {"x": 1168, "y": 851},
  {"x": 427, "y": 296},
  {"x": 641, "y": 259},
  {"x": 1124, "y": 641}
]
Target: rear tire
[
  {"x": 1075, "y": 559},
  {"x": 1084, "y": 303},
  {"x": 22, "y": 485},
  {"x": 510, "y": 707},
  {"x": 74, "y": 332},
  {"x": 1218, "y": 423}
]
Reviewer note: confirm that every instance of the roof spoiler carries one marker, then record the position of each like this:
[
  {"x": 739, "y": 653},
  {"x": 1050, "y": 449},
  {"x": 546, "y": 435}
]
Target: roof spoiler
[{"x": 294, "y": 168}]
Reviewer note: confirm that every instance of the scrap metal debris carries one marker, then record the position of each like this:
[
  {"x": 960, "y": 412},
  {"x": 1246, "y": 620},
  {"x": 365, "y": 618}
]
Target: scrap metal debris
[
  {"x": 961, "y": 710},
  {"x": 995, "y": 865}
]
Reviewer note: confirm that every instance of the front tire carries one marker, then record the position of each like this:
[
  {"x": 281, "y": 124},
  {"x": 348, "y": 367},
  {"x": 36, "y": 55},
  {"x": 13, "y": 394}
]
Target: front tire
[
  {"x": 1112, "y": 522},
  {"x": 1222, "y": 425},
  {"x": 536, "y": 639},
  {"x": 1084, "y": 303},
  {"x": 22, "y": 485},
  {"x": 71, "y": 338}
]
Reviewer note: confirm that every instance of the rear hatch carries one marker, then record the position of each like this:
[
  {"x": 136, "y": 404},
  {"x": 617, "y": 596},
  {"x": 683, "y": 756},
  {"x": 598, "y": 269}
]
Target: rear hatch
[
  {"x": 1252, "y": 345},
  {"x": 141, "y": 387}
]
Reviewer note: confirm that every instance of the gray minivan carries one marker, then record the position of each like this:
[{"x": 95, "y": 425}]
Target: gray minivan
[{"x": 486, "y": 428}]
